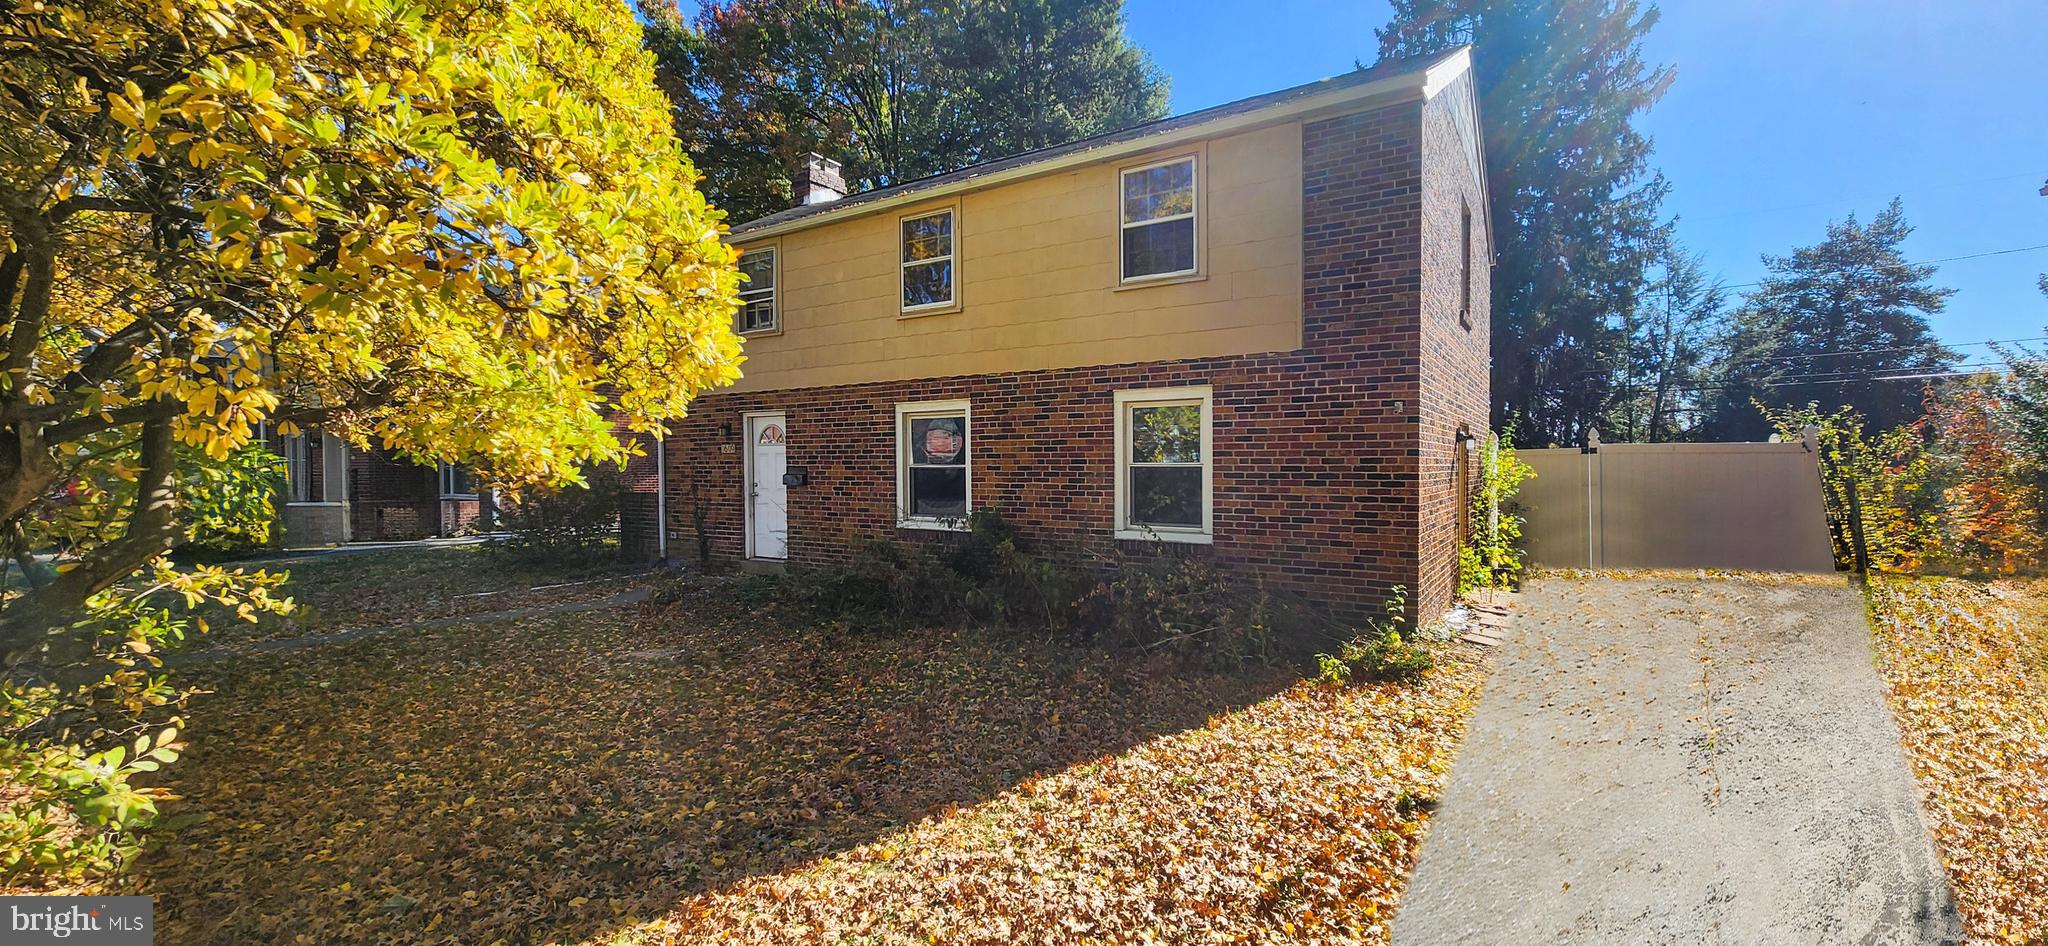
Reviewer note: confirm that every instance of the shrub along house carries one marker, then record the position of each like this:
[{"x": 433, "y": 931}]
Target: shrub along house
[{"x": 1255, "y": 332}]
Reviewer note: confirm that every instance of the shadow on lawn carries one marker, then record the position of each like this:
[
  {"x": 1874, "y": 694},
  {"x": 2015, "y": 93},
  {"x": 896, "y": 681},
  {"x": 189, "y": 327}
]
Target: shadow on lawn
[{"x": 548, "y": 782}]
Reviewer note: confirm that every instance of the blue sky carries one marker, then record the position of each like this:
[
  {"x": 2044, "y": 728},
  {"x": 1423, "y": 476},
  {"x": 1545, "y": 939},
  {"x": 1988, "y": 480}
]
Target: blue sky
[{"x": 1784, "y": 115}]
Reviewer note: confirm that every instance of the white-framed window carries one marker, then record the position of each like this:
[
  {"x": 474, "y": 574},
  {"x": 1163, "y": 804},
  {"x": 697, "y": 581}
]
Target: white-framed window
[
  {"x": 934, "y": 478},
  {"x": 1164, "y": 478},
  {"x": 456, "y": 482},
  {"x": 1157, "y": 208},
  {"x": 298, "y": 467},
  {"x": 758, "y": 312},
  {"x": 925, "y": 247}
]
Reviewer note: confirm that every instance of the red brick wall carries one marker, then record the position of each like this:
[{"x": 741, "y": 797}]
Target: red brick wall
[
  {"x": 1455, "y": 368},
  {"x": 1318, "y": 463},
  {"x": 459, "y": 516},
  {"x": 391, "y": 499},
  {"x": 638, "y": 502}
]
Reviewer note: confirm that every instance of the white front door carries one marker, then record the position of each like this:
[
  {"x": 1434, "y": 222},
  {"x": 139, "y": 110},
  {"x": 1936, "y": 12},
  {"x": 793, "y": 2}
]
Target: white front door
[{"x": 767, "y": 497}]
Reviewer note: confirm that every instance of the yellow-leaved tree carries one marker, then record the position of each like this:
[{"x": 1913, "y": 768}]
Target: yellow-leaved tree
[{"x": 463, "y": 227}]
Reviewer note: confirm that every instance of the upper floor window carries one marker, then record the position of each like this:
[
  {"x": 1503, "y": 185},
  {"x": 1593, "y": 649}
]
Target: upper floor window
[
  {"x": 927, "y": 257},
  {"x": 757, "y": 295},
  {"x": 1158, "y": 210},
  {"x": 1163, "y": 485}
]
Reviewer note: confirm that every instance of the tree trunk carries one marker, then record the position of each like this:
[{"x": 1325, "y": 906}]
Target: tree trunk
[{"x": 152, "y": 529}]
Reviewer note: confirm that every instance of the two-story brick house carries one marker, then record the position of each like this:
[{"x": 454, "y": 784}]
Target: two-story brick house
[{"x": 1256, "y": 332}]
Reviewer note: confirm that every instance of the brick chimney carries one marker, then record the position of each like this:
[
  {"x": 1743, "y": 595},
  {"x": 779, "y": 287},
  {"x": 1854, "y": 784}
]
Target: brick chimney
[{"x": 817, "y": 181}]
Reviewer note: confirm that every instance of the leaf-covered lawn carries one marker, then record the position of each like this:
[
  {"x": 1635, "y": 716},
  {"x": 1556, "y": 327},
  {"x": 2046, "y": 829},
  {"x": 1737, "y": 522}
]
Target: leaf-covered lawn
[
  {"x": 348, "y": 590},
  {"x": 696, "y": 774},
  {"x": 1966, "y": 664}
]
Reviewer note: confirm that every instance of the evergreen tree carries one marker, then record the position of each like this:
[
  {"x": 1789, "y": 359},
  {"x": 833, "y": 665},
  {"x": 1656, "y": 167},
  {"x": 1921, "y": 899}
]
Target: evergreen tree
[
  {"x": 894, "y": 90},
  {"x": 1575, "y": 202},
  {"x": 1670, "y": 336},
  {"x": 1037, "y": 73},
  {"x": 1842, "y": 323}
]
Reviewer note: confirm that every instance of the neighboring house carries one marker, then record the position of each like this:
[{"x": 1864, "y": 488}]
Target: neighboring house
[
  {"x": 1256, "y": 332},
  {"x": 335, "y": 493}
]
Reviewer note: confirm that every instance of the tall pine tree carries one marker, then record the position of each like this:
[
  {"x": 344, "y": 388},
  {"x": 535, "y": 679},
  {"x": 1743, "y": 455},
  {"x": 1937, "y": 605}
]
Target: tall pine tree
[
  {"x": 894, "y": 90},
  {"x": 1671, "y": 336},
  {"x": 1036, "y": 73},
  {"x": 1575, "y": 202},
  {"x": 1840, "y": 323}
]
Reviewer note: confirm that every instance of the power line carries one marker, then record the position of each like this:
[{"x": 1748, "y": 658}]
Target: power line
[
  {"x": 1747, "y": 362},
  {"x": 1926, "y": 262},
  {"x": 1959, "y": 371},
  {"x": 1875, "y": 351},
  {"x": 1952, "y": 371}
]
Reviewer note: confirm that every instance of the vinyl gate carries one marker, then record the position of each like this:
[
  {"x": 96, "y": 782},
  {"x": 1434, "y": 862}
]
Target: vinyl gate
[{"x": 1677, "y": 505}]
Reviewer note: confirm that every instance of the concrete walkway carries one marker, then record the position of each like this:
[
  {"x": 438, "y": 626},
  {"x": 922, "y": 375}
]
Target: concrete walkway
[{"x": 1681, "y": 762}]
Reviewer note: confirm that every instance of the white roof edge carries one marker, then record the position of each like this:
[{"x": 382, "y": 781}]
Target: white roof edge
[
  {"x": 1442, "y": 74},
  {"x": 1419, "y": 85}
]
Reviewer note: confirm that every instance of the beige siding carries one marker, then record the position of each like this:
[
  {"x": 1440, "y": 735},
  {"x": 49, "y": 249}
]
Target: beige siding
[{"x": 1036, "y": 278}]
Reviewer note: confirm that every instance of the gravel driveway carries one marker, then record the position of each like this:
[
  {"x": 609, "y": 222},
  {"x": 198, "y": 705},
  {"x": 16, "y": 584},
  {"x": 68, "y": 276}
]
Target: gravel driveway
[{"x": 1679, "y": 761}]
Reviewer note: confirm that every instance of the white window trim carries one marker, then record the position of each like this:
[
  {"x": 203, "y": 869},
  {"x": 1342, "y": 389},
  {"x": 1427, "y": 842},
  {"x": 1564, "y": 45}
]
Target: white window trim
[
  {"x": 441, "y": 482},
  {"x": 773, "y": 293},
  {"x": 952, "y": 260},
  {"x": 1194, "y": 162},
  {"x": 904, "y": 413},
  {"x": 298, "y": 454},
  {"x": 1145, "y": 397}
]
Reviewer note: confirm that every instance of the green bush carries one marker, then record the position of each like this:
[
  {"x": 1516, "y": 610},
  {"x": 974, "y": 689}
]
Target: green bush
[
  {"x": 989, "y": 576},
  {"x": 82, "y": 717},
  {"x": 231, "y": 502},
  {"x": 1492, "y": 554},
  {"x": 567, "y": 525},
  {"x": 1379, "y": 653},
  {"x": 1185, "y": 606}
]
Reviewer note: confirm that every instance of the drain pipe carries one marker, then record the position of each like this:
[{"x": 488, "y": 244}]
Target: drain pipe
[{"x": 661, "y": 497}]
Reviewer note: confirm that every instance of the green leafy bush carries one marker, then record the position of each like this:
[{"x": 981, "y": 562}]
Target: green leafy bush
[
  {"x": 86, "y": 716},
  {"x": 1492, "y": 554},
  {"x": 568, "y": 524},
  {"x": 231, "y": 503},
  {"x": 989, "y": 576},
  {"x": 1380, "y": 652}
]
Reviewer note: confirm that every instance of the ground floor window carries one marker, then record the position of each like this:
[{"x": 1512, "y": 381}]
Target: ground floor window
[
  {"x": 1163, "y": 474},
  {"x": 455, "y": 482},
  {"x": 933, "y": 477},
  {"x": 298, "y": 467}
]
